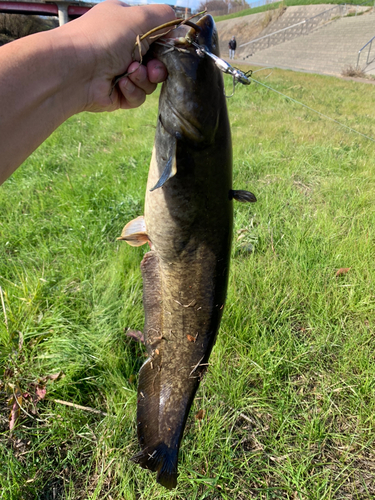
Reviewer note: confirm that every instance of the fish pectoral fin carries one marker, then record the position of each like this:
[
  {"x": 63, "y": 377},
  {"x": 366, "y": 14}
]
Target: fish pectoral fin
[
  {"x": 170, "y": 168},
  {"x": 161, "y": 459},
  {"x": 135, "y": 233},
  {"x": 241, "y": 195}
]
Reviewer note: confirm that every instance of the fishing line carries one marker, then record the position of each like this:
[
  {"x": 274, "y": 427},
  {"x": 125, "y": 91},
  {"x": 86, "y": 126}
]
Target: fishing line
[
  {"x": 262, "y": 69},
  {"x": 245, "y": 78},
  {"x": 239, "y": 76},
  {"x": 313, "y": 110}
]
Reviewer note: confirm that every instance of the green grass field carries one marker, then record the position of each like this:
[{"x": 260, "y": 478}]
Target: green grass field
[{"x": 289, "y": 397}]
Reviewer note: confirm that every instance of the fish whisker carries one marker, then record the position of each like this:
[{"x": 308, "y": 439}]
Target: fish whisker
[{"x": 171, "y": 46}]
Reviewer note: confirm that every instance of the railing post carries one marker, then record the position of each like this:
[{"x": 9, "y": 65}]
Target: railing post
[{"x": 368, "y": 53}]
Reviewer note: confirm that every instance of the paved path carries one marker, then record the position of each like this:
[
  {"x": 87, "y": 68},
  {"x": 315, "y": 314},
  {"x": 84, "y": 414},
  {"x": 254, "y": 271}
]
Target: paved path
[
  {"x": 328, "y": 50},
  {"x": 248, "y": 28}
]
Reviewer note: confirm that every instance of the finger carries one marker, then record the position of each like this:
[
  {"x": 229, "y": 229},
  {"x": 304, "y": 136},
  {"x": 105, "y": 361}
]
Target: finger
[
  {"x": 156, "y": 71},
  {"x": 153, "y": 16},
  {"x": 137, "y": 74},
  {"x": 133, "y": 95}
]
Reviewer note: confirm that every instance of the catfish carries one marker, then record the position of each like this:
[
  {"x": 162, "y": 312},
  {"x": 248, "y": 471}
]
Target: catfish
[{"x": 187, "y": 222}]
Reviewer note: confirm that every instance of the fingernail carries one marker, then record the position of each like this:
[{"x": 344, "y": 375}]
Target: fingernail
[
  {"x": 160, "y": 74},
  {"x": 160, "y": 69}
]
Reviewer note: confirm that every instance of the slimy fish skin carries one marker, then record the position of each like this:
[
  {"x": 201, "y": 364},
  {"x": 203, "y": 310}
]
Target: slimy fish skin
[{"x": 188, "y": 224}]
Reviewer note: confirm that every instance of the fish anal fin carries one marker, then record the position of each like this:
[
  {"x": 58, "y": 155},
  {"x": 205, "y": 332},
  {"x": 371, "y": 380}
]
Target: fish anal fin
[
  {"x": 152, "y": 297},
  {"x": 170, "y": 168},
  {"x": 135, "y": 233},
  {"x": 162, "y": 459},
  {"x": 241, "y": 195},
  {"x": 155, "y": 455},
  {"x": 148, "y": 403},
  {"x": 148, "y": 406}
]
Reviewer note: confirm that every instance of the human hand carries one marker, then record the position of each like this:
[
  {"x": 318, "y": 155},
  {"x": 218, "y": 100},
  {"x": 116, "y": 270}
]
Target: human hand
[{"x": 103, "y": 43}]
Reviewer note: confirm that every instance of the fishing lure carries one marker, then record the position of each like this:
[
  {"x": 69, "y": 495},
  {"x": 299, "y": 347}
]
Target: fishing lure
[{"x": 238, "y": 75}]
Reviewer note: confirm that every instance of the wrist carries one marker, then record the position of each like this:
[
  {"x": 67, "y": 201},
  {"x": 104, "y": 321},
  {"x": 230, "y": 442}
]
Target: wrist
[{"x": 72, "y": 68}]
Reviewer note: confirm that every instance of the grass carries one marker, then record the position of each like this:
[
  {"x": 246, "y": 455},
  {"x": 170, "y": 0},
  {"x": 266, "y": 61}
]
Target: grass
[
  {"x": 277, "y": 5},
  {"x": 289, "y": 398}
]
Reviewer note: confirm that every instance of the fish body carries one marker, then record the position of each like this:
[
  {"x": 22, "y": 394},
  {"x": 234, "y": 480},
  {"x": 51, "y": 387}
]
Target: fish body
[{"x": 188, "y": 223}]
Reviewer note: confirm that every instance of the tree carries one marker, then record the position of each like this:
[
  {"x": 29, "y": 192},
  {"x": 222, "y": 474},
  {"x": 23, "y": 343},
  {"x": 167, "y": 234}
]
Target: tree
[
  {"x": 211, "y": 5},
  {"x": 18, "y": 25}
]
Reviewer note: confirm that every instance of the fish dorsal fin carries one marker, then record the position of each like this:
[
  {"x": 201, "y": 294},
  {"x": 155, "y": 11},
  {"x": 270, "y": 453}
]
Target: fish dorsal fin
[
  {"x": 170, "y": 168},
  {"x": 135, "y": 233},
  {"x": 241, "y": 195}
]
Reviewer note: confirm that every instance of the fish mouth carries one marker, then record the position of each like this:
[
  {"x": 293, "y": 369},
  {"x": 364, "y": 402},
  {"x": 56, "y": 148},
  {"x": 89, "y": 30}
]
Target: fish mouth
[{"x": 203, "y": 32}]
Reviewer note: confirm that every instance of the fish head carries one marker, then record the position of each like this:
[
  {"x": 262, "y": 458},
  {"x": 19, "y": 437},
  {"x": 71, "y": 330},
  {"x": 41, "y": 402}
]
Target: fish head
[
  {"x": 207, "y": 35},
  {"x": 192, "y": 100}
]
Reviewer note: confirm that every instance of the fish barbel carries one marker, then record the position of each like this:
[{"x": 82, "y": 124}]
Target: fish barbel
[{"x": 188, "y": 223}]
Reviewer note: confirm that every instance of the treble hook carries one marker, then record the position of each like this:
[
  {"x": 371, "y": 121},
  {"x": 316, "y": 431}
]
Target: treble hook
[
  {"x": 239, "y": 79},
  {"x": 237, "y": 75}
]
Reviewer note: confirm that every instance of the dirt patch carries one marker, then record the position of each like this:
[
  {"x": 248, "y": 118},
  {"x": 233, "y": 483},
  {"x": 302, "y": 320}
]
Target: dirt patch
[
  {"x": 243, "y": 28},
  {"x": 353, "y": 72}
]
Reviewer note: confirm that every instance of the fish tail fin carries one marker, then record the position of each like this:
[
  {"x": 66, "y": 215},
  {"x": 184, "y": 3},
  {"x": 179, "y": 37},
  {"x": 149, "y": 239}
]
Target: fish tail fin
[{"x": 161, "y": 459}]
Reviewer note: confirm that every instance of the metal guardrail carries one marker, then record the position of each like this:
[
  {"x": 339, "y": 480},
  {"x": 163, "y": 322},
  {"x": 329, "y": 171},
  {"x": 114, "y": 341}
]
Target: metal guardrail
[
  {"x": 369, "y": 43},
  {"x": 364, "y": 3},
  {"x": 274, "y": 33},
  {"x": 307, "y": 25}
]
